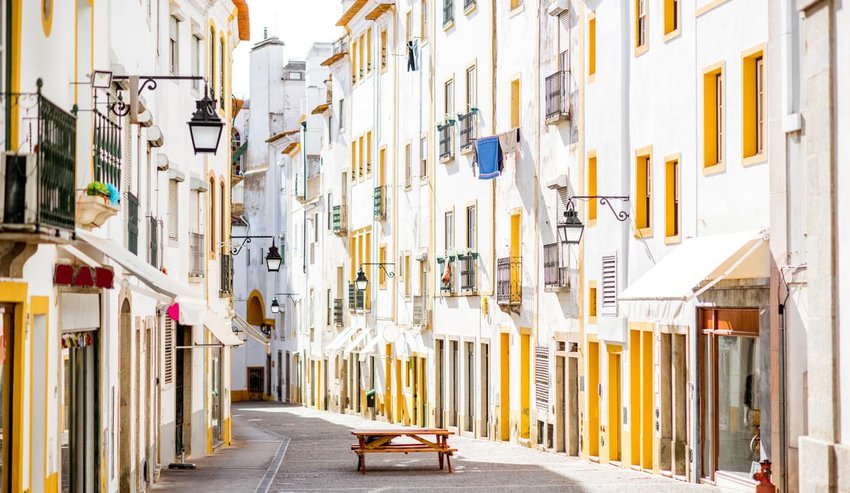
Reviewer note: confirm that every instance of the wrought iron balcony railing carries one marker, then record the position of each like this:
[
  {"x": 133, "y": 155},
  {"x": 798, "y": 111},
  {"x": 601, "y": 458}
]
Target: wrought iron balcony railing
[
  {"x": 106, "y": 148},
  {"x": 39, "y": 189},
  {"x": 226, "y": 278},
  {"x": 555, "y": 273},
  {"x": 196, "y": 254},
  {"x": 445, "y": 139},
  {"x": 380, "y": 202},
  {"x": 509, "y": 281},
  {"x": 467, "y": 130},
  {"x": 337, "y": 312},
  {"x": 468, "y": 266},
  {"x": 339, "y": 217},
  {"x": 446, "y": 270},
  {"x": 557, "y": 96},
  {"x": 356, "y": 299}
]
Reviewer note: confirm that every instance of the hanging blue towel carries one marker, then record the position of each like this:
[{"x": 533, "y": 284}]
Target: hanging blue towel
[{"x": 489, "y": 157}]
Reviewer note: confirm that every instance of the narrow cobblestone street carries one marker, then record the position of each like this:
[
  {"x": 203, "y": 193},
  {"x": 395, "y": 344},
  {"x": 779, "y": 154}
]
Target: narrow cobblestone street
[{"x": 287, "y": 448}]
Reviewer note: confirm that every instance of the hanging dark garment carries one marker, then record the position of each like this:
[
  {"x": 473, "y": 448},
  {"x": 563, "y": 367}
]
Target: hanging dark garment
[{"x": 412, "y": 55}]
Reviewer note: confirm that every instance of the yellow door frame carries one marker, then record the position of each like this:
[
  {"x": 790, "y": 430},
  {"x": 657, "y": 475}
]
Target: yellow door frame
[
  {"x": 593, "y": 398},
  {"x": 525, "y": 384},
  {"x": 15, "y": 293},
  {"x": 614, "y": 403},
  {"x": 505, "y": 397}
]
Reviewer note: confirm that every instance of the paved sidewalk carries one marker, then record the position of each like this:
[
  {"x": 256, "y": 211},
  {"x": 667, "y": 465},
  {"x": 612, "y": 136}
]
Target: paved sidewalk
[
  {"x": 247, "y": 466},
  {"x": 318, "y": 458}
]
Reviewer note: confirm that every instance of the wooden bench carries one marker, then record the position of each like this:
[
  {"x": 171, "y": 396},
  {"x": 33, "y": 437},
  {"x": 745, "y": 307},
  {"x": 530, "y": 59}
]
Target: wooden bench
[{"x": 381, "y": 441}]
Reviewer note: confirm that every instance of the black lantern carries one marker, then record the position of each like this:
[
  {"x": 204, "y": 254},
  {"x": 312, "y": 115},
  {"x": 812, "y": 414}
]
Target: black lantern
[
  {"x": 571, "y": 229},
  {"x": 361, "y": 282},
  {"x": 273, "y": 259},
  {"x": 205, "y": 126},
  {"x": 275, "y": 306}
]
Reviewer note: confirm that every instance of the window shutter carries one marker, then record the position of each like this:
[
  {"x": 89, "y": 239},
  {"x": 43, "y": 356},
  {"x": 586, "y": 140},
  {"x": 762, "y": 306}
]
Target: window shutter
[
  {"x": 609, "y": 284},
  {"x": 168, "y": 372},
  {"x": 126, "y": 162},
  {"x": 563, "y": 32},
  {"x": 194, "y": 213},
  {"x": 172, "y": 209},
  {"x": 541, "y": 379}
]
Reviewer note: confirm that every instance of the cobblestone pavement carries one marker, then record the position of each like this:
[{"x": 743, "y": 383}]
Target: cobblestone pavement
[{"x": 314, "y": 446}]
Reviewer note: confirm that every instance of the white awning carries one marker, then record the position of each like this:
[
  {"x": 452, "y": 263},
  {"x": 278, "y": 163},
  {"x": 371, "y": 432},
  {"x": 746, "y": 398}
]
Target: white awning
[
  {"x": 357, "y": 340},
  {"x": 340, "y": 339},
  {"x": 191, "y": 310},
  {"x": 370, "y": 348},
  {"x": 666, "y": 293},
  {"x": 144, "y": 271},
  {"x": 220, "y": 327}
]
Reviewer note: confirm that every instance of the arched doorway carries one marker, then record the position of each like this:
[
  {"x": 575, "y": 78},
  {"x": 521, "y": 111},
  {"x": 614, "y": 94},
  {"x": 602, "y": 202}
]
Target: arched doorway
[{"x": 125, "y": 441}]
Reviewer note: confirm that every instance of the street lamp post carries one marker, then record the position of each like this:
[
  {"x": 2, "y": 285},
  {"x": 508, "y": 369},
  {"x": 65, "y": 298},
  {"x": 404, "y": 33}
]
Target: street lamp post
[
  {"x": 276, "y": 304},
  {"x": 571, "y": 229},
  {"x": 273, "y": 257}
]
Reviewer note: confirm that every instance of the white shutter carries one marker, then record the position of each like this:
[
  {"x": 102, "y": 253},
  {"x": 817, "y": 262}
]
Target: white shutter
[
  {"x": 563, "y": 32},
  {"x": 194, "y": 213},
  {"x": 541, "y": 379},
  {"x": 172, "y": 209},
  {"x": 126, "y": 162},
  {"x": 168, "y": 372},
  {"x": 609, "y": 284}
]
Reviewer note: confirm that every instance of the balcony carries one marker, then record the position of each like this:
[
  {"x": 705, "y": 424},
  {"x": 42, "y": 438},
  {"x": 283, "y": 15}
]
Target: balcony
[
  {"x": 225, "y": 287},
  {"x": 340, "y": 50},
  {"x": 380, "y": 202},
  {"x": 446, "y": 270},
  {"x": 339, "y": 220},
  {"x": 37, "y": 190},
  {"x": 196, "y": 255},
  {"x": 444, "y": 133},
  {"x": 555, "y": 272},
  {"x": 509, "y": 281},
  {"x": 337, "y": 312},
  {"x": 468, "y": 265},
  {"x": 94, "y": 209},
  {"x": 421, "y": 313},
  {"x": 558, "y": 97},
  {"x": 467, "y": 131},
  {"x": 356, "y": 299}
]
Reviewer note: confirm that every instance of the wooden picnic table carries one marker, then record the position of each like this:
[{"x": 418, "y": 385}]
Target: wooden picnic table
[{"x": 381, "y": 441}]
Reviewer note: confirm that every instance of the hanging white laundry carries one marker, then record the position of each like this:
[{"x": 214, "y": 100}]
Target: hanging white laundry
[{"x": 509, "y": 141}]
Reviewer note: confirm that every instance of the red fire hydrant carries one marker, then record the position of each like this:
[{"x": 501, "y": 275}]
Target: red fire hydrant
[{"x": 763, "y": 477}]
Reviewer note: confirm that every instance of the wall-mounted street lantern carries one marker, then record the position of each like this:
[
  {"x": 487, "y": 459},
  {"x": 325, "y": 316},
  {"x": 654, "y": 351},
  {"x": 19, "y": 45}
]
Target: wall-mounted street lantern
[
  {"x": 571, "y": 229},
  {"x": 273, "y": 257},
  {"x": 362, "y": 282},
  {"x": 205, "y": 126},
  {"x": 276, "y": 304}
]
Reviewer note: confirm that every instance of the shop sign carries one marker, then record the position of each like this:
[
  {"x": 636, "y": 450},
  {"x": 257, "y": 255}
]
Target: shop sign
[{"x": 83, "y": 276}]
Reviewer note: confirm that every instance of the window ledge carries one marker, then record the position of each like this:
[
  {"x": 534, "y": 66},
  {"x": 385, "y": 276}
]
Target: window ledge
[
  {"x": 708, "y": 7},
  {"x": 591, "y": 78},
  {"x": 447, "y": 159},
  {"x": 448, "y": 25},
  {"x": 672, "y": 240},
  {"x": 470, "y": 9},
  {"x": 592, "y": 320},
  {"x": 467, "y": 149},
  {"x": 752, "y": 160},
  {"x": 643, "y": 233},
  {"x": 713, "y": 169},
  {"x": 516, "y": 11},
  {"x": 408, "y": 188},
  {"x": 591, "y": 222},
  {"x": 640, "y": 50},
  {"x": 672, "y": 35}
]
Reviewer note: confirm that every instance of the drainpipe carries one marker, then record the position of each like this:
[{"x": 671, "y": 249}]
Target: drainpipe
[{"x": 304, "y": 209}]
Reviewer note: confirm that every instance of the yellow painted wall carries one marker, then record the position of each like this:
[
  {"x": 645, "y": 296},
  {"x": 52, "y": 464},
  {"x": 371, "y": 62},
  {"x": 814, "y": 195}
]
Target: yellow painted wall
[
  {"x": 525, "y": 385},
  {"x": 505, "y": 388},
  {"x": 593, "y": 399}
]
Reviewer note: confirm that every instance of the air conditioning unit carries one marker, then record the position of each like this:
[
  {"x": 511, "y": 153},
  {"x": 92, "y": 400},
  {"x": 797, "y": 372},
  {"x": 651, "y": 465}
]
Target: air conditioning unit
[
  {"x": 558, "y": 7},
  {"x": 18, "y": 189}
]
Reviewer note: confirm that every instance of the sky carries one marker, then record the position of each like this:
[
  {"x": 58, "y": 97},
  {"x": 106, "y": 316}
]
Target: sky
[{"x": 299, "y": 23}]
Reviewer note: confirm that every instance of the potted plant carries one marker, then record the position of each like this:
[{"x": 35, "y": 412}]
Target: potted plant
[
  {"x": 99, "y": 203},
  {"x": 97, "y": 188}
]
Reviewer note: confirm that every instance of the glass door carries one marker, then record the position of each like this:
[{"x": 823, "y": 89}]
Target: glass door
[{"x": 216, "y": 395}]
